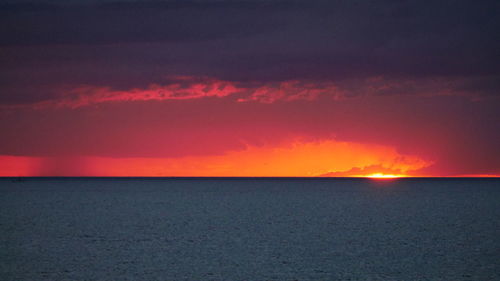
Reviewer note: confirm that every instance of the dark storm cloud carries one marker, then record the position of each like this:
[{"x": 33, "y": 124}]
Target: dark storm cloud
[
  {"x": 129, "y": 22},
  {"x": 46, "y": 45}
]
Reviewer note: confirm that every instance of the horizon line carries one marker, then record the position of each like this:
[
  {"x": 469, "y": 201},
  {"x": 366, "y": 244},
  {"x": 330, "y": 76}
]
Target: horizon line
[{"x": 245, "y": 177}]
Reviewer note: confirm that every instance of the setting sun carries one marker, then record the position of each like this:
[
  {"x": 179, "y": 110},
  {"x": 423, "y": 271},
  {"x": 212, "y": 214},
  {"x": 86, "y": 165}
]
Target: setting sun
[{"x": 384, "y": 176}]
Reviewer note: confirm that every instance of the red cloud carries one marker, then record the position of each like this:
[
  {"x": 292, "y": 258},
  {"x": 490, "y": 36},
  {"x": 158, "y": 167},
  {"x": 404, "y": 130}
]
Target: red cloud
[
  {"x": 186, "y": 87},
  {"x": 292, "y": 90},
  {"x": 86, "y": 95},
  {"x": 392, "y": 169}
]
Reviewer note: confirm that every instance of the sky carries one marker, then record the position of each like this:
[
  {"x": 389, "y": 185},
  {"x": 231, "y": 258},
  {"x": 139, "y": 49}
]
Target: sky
[{"x": 249, "y": 88}]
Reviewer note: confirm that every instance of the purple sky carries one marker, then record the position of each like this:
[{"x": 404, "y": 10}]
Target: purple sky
[{"x": 181, "y": 82}]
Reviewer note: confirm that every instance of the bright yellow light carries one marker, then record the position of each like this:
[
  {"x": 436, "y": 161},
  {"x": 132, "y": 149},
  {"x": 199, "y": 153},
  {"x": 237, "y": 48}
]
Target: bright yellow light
[{"x": 384, "y": 176}]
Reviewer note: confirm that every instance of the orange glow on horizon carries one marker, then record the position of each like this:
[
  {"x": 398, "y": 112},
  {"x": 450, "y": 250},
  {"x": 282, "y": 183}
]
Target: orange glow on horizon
[{"x": 327, "y": 158}]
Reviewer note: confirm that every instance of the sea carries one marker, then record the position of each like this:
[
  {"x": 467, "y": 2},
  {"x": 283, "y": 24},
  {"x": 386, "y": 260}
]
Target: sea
[{"x": 249, "y": 229}]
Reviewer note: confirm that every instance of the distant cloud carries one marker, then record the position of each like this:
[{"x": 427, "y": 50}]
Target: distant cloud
[
  {"x": 292, "y": 90},
  {"x": 373, "y": 169},
  {"x": 87, "y": 95},
  {"x": 187, "y": 88}
]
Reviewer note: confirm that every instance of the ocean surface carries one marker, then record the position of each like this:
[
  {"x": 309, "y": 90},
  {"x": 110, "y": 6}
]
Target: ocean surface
[{"x": 249, "y": 229}]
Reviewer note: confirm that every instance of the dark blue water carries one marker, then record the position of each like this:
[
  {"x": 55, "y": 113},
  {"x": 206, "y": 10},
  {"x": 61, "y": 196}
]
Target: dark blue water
[{"x": 250, "y": 229}]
